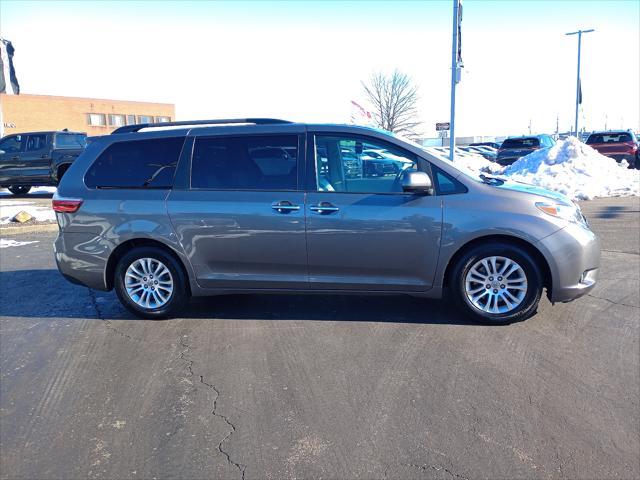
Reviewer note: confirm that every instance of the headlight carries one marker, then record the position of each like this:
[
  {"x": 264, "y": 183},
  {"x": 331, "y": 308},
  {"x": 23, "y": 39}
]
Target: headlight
[{"x": 570, "y": 213}]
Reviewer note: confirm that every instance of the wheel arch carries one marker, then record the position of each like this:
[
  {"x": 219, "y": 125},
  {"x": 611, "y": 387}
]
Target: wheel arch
[
  {"x": 61, "y": 170},
  {"x": 126, "y": 246},
  {"x": 531, "y": 249}
]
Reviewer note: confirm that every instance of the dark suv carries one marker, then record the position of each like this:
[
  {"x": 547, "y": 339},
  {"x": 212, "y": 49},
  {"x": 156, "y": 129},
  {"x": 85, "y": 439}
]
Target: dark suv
[
  {"x": 514, "y": 148},
  {"x": 617, "y": 145},
  {"x": 262, "y": 205},
  {"x": 37, "y": 158}
]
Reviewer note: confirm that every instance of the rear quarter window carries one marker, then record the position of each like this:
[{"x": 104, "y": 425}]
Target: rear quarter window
[
  {"x": 70, "y": 140},
  {"x": 136, "y": 164}
]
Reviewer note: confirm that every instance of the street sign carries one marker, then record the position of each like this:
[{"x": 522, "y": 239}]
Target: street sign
[
  {"x": 442, "y": 126},
  {"x": 443, "y": 133}
]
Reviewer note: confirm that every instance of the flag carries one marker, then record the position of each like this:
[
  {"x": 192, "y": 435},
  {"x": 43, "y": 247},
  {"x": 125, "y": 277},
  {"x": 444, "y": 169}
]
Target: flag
[
  {"x": 459, "y": 58},
  {"x": 360, "y": 116},
  {"x": 8, "y": 81},
  {"x": 579, "y": 92}
]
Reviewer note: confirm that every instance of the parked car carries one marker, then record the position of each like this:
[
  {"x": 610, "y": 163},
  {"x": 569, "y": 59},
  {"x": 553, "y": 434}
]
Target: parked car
[
  {"x": 163, "y": 215},
  {"x": 486, "y": 152},
  {"x": 495, "y": 145},
  {"x": 514, "y": 148},
  {"x": 37, "y": 158},
  {"x": 619, "y": 145}
]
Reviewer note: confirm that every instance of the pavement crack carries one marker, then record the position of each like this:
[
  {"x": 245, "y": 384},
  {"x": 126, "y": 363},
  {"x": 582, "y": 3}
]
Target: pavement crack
[
  {"x": 427, "y": 468},
  {"x": 239, "y": 466},
  {"x": 611, "y": 301},
  {"x": 621, "y": 252},
  {"x": 100, "y": 316}
]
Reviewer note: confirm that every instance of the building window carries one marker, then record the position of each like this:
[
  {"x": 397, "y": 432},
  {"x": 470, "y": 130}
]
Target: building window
[
  {"x": 145, "y": 119},
  {"x": 131, "y": 119},
  {"x": 163, "y": 119},
  {"x": 97, "y": 119},
  {"x": 116, "y": 120}
]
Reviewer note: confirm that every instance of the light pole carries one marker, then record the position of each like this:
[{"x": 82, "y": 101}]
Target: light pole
[
  {"x": 578, "y": 86},
  {"x": 456, "y": 67}
]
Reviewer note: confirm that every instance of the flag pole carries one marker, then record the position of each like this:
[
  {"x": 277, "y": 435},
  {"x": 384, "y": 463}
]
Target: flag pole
[
  {"x": 578, "y": 84},
  {"x": 454, "y": 80}
]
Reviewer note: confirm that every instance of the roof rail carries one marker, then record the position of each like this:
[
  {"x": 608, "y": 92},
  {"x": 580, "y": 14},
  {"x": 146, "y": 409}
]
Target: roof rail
[{"x": 255, "y": 121}]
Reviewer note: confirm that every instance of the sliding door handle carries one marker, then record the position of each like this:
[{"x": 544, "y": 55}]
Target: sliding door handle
[
  {"x": 324, "y": 207},
  {"x": 284, "y": 207}
]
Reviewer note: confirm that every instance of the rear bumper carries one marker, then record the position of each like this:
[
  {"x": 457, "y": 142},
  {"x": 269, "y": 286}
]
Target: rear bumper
[
  {"x": 573, "y": 255},
  {"x": 78, "y": 261}
]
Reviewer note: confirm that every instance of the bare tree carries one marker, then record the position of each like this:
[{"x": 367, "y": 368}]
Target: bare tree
[{"x": 394, "y": 99}]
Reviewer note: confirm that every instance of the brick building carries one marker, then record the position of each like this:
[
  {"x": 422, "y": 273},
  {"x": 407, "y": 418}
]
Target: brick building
[{"x": 29, "y": 113}]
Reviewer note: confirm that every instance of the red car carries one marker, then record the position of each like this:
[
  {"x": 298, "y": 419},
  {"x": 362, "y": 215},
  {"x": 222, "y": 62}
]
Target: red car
[{"x": 617, "y": 145}]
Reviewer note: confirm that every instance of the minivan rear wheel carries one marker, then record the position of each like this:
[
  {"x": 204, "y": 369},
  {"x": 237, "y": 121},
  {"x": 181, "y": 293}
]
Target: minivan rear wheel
[
  {"x": 497, "y": 283},
  {"x": 150, "y": 283}
]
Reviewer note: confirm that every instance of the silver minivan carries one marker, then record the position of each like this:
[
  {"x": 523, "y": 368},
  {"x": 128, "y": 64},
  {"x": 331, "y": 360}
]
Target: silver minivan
[{"x": 162, "y": 212}]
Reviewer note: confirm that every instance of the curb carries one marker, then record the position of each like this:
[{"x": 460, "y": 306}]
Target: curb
[{"x": 41, "y": 228}]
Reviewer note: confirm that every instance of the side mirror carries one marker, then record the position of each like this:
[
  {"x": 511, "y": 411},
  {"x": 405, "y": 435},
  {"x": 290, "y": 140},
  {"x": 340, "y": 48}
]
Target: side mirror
[
  {"x": 2, "y": 152},
  {"x": 417, "y": 182}
]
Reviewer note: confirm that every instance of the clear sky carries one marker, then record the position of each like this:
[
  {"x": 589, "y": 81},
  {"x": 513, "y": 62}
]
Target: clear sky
[{"x": 304, "y": 60}]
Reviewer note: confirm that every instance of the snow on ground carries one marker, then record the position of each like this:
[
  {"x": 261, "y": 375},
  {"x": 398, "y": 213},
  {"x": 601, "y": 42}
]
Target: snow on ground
[
  {"x": 569, "y": 167},
  {"x": 40, "y": 190},
  {"x": 4, "y": 243},
  {"x": 41, "y": 213},
  {"x": 576, "y": 170}
]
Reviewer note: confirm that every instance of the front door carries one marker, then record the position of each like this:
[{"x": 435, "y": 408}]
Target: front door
[
  {"x": 11, "y": 148},
  {"x": 363, "y": 231},
  {"x": 241, "y": 220},
  {"x": 36, "y": 159}
]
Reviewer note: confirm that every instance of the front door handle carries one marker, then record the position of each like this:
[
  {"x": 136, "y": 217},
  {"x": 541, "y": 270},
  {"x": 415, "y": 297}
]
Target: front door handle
[
  {"x": 284, "y": 206},
  {"x": 323, "y": 208},
  {"x": 15, "y": 158}
]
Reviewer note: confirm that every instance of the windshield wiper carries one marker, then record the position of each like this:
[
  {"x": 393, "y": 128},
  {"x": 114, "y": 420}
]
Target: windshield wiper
[{"x": 491, "y": 180}]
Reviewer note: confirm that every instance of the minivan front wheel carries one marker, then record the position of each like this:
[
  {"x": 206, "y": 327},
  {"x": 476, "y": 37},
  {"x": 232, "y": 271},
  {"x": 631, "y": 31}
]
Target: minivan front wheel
[
  {"x": 150, "y": 283},
  {"x": 497, "y": 283}
]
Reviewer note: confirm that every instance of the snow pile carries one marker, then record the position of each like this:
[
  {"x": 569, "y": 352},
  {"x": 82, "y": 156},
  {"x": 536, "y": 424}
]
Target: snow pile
[
  {"x": 477, "y": 164},
  {"x": 4, "y": 243},
  {"x": 576, "y": 170},
  {"x": 9, "y": 208},
  {"x": 34, "y": 190},
  {"x": 468, "y": 161}
]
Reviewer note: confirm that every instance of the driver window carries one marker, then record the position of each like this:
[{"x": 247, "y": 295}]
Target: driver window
[
  {"x": 359, "y": 165},
  {"x": 12, "y": 144}
]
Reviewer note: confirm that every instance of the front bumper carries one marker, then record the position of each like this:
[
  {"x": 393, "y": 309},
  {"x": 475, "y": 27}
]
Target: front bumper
[{"x": 573, "y": 255}]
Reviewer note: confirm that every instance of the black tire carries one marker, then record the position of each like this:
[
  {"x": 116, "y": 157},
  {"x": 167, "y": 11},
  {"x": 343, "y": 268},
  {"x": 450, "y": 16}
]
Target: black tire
[
  {"x": 61, "y": 171},
  {"x": 19, "y": 189},
  {"x": 529, "y": 304},
  {"x": 177, "y": 299}
]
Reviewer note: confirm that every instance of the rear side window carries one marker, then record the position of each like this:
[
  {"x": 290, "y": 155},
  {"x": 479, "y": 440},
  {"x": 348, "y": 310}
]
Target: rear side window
[
  {"x": 136, "y": 164},
  {"x": 36, "y": 142},
  {"x": 245, "y": 163},
  {"x": 71, "y": 140}
]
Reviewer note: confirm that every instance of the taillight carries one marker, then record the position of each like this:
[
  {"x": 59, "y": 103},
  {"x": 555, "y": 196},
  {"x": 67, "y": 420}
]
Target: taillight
[{"x": 66, "y": 205}]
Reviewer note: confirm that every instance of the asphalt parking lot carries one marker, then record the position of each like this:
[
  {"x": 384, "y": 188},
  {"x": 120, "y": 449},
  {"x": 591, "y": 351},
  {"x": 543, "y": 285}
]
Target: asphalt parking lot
[{"x": 270, "y": 387}]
